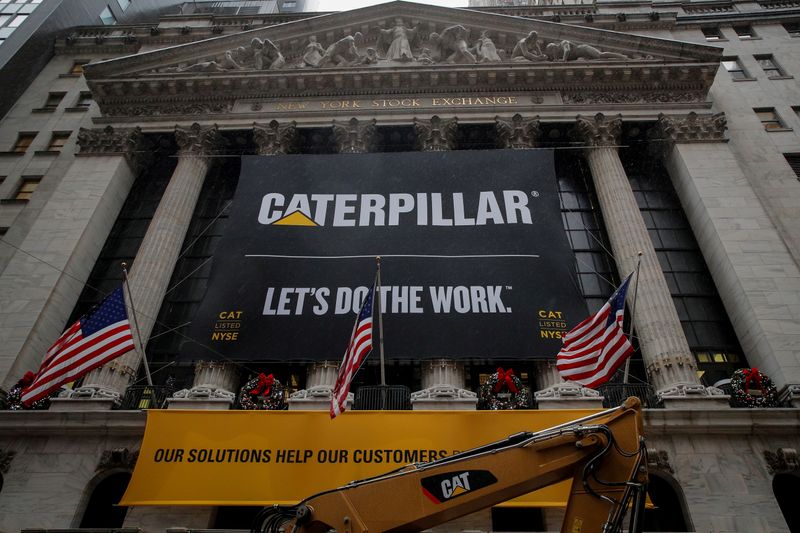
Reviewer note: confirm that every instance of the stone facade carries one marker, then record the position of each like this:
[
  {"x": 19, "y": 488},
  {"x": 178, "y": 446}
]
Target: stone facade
[{"x": 189, "y": 91}]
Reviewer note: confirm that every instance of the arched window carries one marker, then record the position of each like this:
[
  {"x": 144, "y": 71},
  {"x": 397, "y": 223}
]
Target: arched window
[
  {"x": 101, "y": 509},
  {"x": 670, "y": 512},
  {"x": 786, "y": 487}
]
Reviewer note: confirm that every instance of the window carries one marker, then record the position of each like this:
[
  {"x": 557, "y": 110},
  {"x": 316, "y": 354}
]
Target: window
[
  {"x": 744, "y": 32},
  {"x": 768, "y": 65},
  {"x": 4, "y": 19},
  {"x": 19, "y": 19},
  {"x": 123, "y": 4},
  {"x": 735, "y": 68},
  {"x": 27, "y": 188},
  {"x": 769, "y": 118},
  {"x": 289, "y": 3},
  {"x": 792, "y": 28},
  {"x": 712, "y": 33},
  {"x": 107, "y": 17},
  {"x": 794, "y": 162},
  {"x": 58, "y": 140},
  {"x": 53, "y": 99},
  {"x": 84, "y": 99},
  {"x": 24, "y": 140},
  {"x": 77, "y": 67}
]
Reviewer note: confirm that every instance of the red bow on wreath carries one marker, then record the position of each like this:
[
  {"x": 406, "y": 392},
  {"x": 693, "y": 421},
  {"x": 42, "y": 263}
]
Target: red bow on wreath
[
  {"x": 264, "y": 385},
  {"x": 26, "y": 380},
  {"x": 752, "y": 375},
  {"x": 505, "y": 377}
]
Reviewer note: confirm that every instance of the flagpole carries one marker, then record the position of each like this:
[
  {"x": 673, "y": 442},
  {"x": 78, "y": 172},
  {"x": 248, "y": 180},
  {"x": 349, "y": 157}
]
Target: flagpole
[
  {"x": 380, "y": 318},
  {"x": 633, "y": 308},
  {"x": 136, "y": 325}
]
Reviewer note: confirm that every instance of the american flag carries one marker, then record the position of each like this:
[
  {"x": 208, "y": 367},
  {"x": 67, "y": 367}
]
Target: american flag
[
  {"x": 594, "y": 349},
  {"x": 359, "y": 348},
  {"x": 95, "y": 339}
]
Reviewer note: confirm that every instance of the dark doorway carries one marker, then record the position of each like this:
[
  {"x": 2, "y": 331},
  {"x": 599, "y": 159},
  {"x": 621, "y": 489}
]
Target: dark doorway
[
  {"x": 786, "y": 487},
  {"x": 517, "y": 519},
  {"x": 102, "y": 509},
  {"x": 235, "y": 517},
  {"x": 670, "y": 513}
]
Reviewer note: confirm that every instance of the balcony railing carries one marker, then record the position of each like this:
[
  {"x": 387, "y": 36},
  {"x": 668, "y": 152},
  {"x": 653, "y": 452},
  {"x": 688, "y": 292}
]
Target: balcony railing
[
  {"x": 616, "y": 393},
  {"x": 145, "y": 397},
  {"x": 383, "y": 398}
]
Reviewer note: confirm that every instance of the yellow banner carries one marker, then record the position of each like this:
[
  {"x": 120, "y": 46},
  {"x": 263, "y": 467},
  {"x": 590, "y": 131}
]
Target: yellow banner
[{"x": 263, "y": 457}]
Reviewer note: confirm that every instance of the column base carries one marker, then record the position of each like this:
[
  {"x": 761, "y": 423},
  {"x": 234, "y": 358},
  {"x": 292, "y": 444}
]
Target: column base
[
  {"x": 693, "y": 396},
  {"x": 568, "y": 396},
  {"x": 791, "y": 395},
  {"x": 208, "y": 404},
  {"x": 316, "y": 399},
  {"x": 81, "y": 404},
  {"x": 444, "y": 398}
]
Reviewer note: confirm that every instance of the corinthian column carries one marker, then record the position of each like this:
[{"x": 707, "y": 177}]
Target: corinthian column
[
  {"x": 275, "y": 138},
  {"x": 157, "y": 255},
  {"x": 436, "y": 134},
  {"x": 670, "y": 364},
  {"x": 354, "y": 136},
  {"x": 518, "y": 133}
]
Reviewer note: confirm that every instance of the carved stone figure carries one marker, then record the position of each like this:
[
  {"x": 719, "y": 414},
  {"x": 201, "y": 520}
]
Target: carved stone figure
[
  {"x": 485, "y": 50},
  {"x": 313, "y": 53},
  {"x": 396, "y": 43},
  {"x": 266, "y": 55},
  {"x": 452, "y": 43},
  {"x": 567, "y": 51},
  {"x": 343, "y": 52},
  {"x": 425, "y": 57},
  {"x": 528, "y": 49},
  {"x": 370, "y": 57}
]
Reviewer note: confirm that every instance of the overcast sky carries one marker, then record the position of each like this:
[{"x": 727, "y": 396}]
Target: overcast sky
[{"x": 344, "y": 5}]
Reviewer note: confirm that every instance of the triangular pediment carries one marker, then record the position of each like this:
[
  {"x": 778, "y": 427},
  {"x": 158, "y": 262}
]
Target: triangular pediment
[{"x": 406, "y": 45}]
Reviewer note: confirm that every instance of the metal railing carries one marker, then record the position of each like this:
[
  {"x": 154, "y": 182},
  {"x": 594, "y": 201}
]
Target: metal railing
[
  {"x": 382, "y": 398},
  {"x": 616, "y": 393},
  {"x": 145, "y": 397}
]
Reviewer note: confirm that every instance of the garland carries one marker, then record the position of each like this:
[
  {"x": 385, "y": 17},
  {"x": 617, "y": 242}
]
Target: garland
[
  {"x": 262, "y": 393},
  {"x": 14, "y": 400},
  {"x": 492, "y": 396},
  {"x": 751, "y": 388}
]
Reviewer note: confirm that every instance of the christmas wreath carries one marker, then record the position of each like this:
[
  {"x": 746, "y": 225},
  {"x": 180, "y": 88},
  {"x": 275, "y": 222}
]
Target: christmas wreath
[
  {"x": 263, "y": 393},
  {"x": 503, "y": 390},
  {"x": 751, "y": 388},
  {"x": 14, "y": 399}
]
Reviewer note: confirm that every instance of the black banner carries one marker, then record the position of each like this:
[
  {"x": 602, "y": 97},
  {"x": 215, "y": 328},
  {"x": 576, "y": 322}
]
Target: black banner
[{"x": 475, "y": 260}]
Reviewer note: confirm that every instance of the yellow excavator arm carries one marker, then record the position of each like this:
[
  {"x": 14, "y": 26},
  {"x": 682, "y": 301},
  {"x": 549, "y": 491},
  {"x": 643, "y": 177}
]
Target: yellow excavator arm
[{"x": 602, "y": 453}]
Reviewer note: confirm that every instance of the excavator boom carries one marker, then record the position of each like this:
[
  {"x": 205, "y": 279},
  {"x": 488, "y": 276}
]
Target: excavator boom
[{"x": 603, "y": 454}]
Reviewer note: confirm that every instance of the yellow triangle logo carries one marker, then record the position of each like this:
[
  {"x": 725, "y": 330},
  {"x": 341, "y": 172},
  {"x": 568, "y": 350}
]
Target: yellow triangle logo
[
  {"x": 296, "y": 218},
  {"x": 457, "y": 491}
]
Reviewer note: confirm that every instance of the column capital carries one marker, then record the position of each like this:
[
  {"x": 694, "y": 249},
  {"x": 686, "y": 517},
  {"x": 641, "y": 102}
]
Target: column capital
[
  {"x": 275, "y": 138},
  {"x": 355, "y": 136},
  {"x": 197, "y": 140},
  {"x": 691, "y": 128},
  {"x": 436, "y": 134},
  {"x": 127, "y": 142},
  {"x": 518, "y": 132},
  {"x": 599, "y": 130},
  {"x": 782, "y": 460}
]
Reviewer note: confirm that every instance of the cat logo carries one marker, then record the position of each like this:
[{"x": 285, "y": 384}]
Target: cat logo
[{"x": 444, "y": 487}]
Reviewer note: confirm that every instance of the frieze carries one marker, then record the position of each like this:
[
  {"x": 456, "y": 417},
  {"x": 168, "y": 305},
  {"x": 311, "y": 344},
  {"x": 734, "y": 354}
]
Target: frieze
[
  {"x": 782, "y": 460},
  {"x": 118, "y": 458},
  {"x": 146, "y": 110},
  {"x": 635, "y": 97},
  {"x": 691, "y": 128}
]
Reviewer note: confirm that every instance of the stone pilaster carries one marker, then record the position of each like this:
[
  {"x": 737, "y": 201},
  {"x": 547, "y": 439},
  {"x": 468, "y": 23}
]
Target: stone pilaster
[
  {"x": 214, "y": 387},
  {"x": 443, "y": 384},
  {"x": 752, "y": 267},
  {"x": 436, "y": 134},
  {"x": 355, "y": 136},
  {"x": 275, "y": 138},
  {"x": 155, "y": 260},
  {"x": 555, "y": 393},
  {"x": 670, "y": 364},
  {"x": 517, "y": 133},
  {"x": 320, "y": 379},
  {"x": 81, "y": 211}
]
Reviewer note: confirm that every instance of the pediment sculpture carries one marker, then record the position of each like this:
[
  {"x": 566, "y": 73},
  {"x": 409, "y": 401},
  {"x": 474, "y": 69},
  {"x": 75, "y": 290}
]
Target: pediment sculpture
[{"x": 402, "y": 44}]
